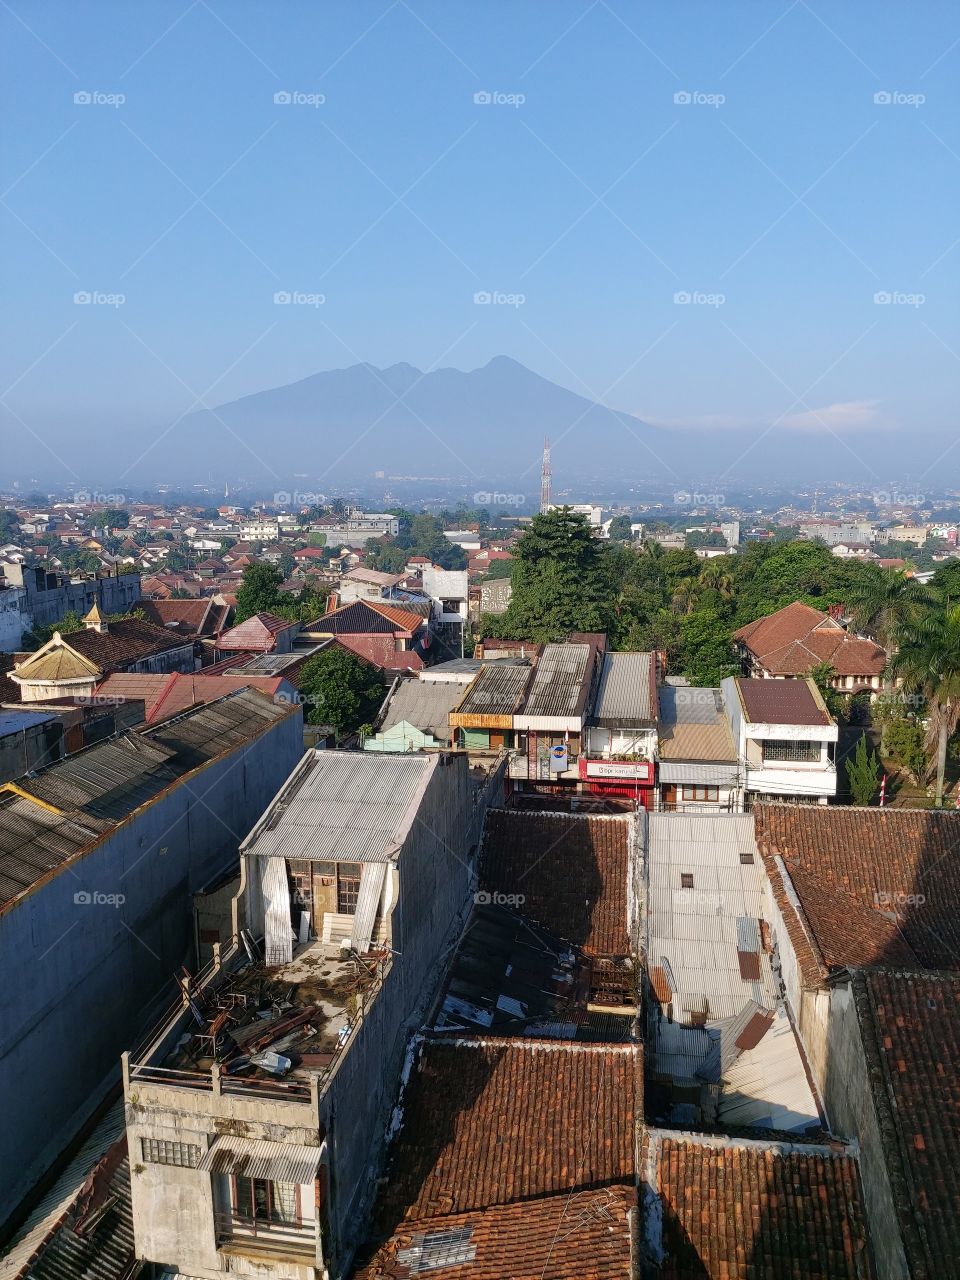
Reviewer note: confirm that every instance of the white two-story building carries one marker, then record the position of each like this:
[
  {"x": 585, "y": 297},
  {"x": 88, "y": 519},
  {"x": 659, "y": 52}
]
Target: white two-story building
[{"x": 785, "y": 738}]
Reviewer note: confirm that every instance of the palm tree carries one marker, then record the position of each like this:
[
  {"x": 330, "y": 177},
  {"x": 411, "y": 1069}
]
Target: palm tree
[
  {"x": 927, "y": 659},
  {"x": 880, "y": 603},
  {"x": 881, "y": 600},
  {"x": 714, "y": 576}
]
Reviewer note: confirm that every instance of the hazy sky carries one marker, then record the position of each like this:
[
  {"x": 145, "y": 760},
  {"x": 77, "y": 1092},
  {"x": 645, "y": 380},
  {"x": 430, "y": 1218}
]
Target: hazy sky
[{"x": 781, "y": 196}]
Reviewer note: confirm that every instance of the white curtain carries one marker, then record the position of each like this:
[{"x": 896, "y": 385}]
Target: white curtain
[{"x": 278, "y": 933}]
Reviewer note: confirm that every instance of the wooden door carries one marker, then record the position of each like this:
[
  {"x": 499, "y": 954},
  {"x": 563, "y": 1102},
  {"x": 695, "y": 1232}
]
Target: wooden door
[{"x": 324, "y": 893}]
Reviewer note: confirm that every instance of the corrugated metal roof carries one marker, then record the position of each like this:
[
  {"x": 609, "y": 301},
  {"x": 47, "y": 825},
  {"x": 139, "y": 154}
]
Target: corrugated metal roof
[
  {"x": 715, "y": 774},
  {"x": 426, "y": 704},
  {"x": 693, "y": 726},
  {"x": 558, "y": 682},
  {"x": 497, "y": 691},
  {"x": 41, "y": 1227},
  {"x": 344, "y": 806},
  {"x": 278, "y": 1161},
  {"x": 627, "y": 694},
  {"x": 102, "y": 784}
]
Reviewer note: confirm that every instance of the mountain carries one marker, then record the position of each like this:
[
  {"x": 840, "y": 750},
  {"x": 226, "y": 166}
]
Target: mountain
[{"x": 350, "y": 422}]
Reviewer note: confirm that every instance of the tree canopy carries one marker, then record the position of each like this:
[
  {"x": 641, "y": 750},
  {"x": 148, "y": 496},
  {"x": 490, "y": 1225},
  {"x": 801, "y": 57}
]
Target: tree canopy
[{"x": 340, "y": 689}]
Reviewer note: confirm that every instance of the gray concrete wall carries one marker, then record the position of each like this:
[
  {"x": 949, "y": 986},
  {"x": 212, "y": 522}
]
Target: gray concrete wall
[
  {"x": 82, "y": 973},
  {"x": 849, "y": 1103},
  {"x": 31, "y": 748},
  {"x": 437, "y": 881},
  {"x": 49, "y": 604}
]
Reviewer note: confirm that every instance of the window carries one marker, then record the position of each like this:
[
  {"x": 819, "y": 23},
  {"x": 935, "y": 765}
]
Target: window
[
  {"x": 746, "y": 859},
  {"x": 260, "y": 1200},
  {"x": 783, "y": 749},
  {"x": 348, "y": 887},
  {"x": 436, "y": 1250},
  {"x": 158, "y": 1151},
  {"x": 709, "y": 794},
  {"x": 686, "y": 879}
]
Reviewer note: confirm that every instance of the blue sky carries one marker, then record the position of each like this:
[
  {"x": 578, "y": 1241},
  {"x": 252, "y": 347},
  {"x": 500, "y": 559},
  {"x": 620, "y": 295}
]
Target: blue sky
[{"x": 782, "y": 187}]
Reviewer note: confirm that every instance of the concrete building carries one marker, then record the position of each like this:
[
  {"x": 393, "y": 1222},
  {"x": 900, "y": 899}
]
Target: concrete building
[
  {"x": 74, "y": 664},
  {"x": 99, "y": 855},
  {"x": 863, "y": 905},
  {"x": 48, "y": 597},
  {"x": 785, "y": 738},
  {"x": 698, "y": 766},
  {"x": 250, "y": 1171},
  {"x": 620, "y": 754},
  {"x": 29, "y": 740}
]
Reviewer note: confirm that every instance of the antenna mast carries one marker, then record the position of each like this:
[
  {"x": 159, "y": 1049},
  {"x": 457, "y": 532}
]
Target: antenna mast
[{"x": 545, "y": 475}]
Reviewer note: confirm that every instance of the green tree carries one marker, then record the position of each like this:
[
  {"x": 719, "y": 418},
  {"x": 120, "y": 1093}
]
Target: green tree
[
  {"x": 340, "y": 689},
  {"x": 286, "y": 564},
  {"x": 39, "y": 636},
  {"x": 927, "y": 659},
  {"x": 863, "y": 773},
  {"x": 823, "y": 676},
  {"x": 260, "y": 591},
  {"x": 560, "y": 580},
  {"x": 115, "y": 518},
  {"x": 620, "y": 530},
  {"x": 905, "y": 743}
]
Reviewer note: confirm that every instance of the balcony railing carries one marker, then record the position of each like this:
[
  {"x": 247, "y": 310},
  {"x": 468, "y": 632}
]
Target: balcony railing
[{"x": 235, "y": 1228}]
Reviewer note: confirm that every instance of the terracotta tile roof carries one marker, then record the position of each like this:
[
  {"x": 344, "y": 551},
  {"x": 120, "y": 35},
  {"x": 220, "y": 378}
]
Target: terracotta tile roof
[
  {"x": 254, "y": 634},
  {"x": 910, "y": 1027},
  {"x": 363, "y": 617},
  {"x": 571, "y": 873},
  {"x": 793, "y": 640},
  {"x": 875, "y": 886},
  {"x": 169, "y": 695},
  {"x": 751, "y": 1211},
  {"x": 126, "y": 641},
  {"x": 583, "y": 1237},
  {"x": 188, "y": 617},
  {"x": 493, "y": 1122}
]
